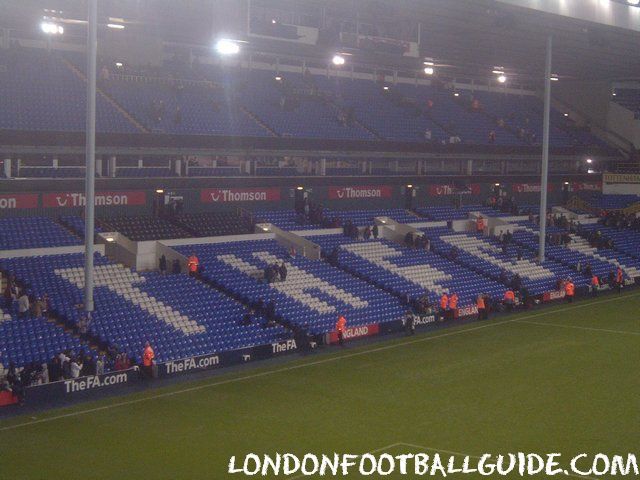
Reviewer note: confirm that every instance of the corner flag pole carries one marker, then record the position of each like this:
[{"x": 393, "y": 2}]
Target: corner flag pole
[
  {"x": 90, "y": 152},
  {"x": 545, "y": 151}
]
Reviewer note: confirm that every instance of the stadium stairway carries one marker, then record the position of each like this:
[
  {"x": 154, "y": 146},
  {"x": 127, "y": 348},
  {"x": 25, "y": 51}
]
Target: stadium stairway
[
  {"x": 141, "y": 128},
  {"x": 259, "y": 121}
]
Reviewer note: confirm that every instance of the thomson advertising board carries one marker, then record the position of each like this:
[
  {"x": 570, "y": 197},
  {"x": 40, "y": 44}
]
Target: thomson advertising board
[
  {"x": 239, "y": 195},
  {"x": 18, "y": 201},
  {"x": 360, "y": 192},
  {"x": 103, "y": 199}
]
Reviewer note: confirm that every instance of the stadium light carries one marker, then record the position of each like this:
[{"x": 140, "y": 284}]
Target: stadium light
[
  {"x": 338, "y": 60},
  {"x": 300, "y": 188},
  {"x": 591, "y": 170},
  {"x": 429, "y": 70},
  {"x": 115, "y": 26},
  {"x": 159, "y": 190},
  {"x": 225, "y": 46},
  {"x": 456, "y": 94},
  {"x": 502, "y": 79},
  {"x": 497, "y": 72},
  {"x": 566, "y": 183},
  {"x": 278, "y": 79},
  {"x": 409, "y": 186},
  {"x": 119, "y": 64},
  {"x": 633, "y": 2},
  {"x": 51, "y": 28},
  {"x": 109, "y": 239},
  {"x": 566, "y": 114},
  {"x": 385, "y": 87},
  {"x": 589, "y": 160}
]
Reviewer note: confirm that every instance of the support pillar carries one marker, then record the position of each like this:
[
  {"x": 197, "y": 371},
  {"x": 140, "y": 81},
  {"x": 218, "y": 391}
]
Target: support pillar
[{"x": 545, "y": 151}]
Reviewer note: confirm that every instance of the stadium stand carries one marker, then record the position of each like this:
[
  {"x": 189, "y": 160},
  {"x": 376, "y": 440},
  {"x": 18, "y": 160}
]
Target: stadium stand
[
  {"x": 313, "y": 294},
  {"x": 403, "y": 271},
  {"x": 214, "y": 171},
  {"x": 485, "y": 255},
  {"x": 33, "y": 232},
  {"x": 144, "y": 172},
  {"x": 629, "y": 98},
  {"x": 172, "y": 310},
  {"x": 141, "y": 228},
  {"x": 51, "y": 172},
  {"x": 212, "y": 224},
  {"x": 30, "y": 100}
]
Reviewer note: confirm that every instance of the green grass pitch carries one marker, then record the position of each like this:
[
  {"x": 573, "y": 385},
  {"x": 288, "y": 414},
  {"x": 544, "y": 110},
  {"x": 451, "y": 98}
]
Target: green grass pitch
[{"x": 564, "y": 379}]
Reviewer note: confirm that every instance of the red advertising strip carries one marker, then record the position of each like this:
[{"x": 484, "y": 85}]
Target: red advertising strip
[
  {"x": 530, "y": 187},
  {"x": 103, "y": 199},
  {"x": 227, "y": 195},
  {"x": 553, "y": 295},
  {"x": 360, "y": 192},
  {"x": 442, "y": 190},
  {"x": 467, "y": 311},
  {"x": 18, "y": 201},
  {"x": 356, "y": 332}
]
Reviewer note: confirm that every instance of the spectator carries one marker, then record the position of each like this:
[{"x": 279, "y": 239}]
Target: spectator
[
  {"x": 482, "y": 310},
  {"x": 375, "y": 231},
  {"x": 176, "y": 269},
  {"x": 162, "y": 264},
  {"x": 509, "y": 300},
  {"x": 23, "y": 305},
  {"x": 100, "y": 365},
  {"x": 193, "y": 264},
  {"x": 75, "y": 367},
  {"x": 492, "y": 136},
  {"x": 148, "y": 356},
  {"x": 409, "y": 323},
  {"x": 569, "y": 290},
  {"x": 444, "y": 305},
  {"x": 341, "y": 325},
  {"x": 283, "y": 271}
]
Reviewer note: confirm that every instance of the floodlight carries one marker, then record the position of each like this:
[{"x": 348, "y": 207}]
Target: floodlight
[
  {"x": 502, "y": 79},
  {"x": 115, "y": 26},
  {"x": 589, "y": 160},
  {"x": 429, "y": 70},
  {"x": 278, "y": 79},
  {"x": 300, "y": 188},
  {"x": 338, "y": 60},
  {"x": 225, "y": 46},
  {"x": 51, "y": 28},
  {"x": 633, "y": 2},
  {"x": 385, "y": 87},
  {"x": 591, "y": 170}
]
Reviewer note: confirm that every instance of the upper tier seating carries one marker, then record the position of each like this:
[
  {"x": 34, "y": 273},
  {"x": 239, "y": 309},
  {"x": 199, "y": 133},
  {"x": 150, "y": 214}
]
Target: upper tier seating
[
  {"x": 39, "y": 92},
  {"x": 144, "y": 172},
  {"x": 373, "y": 106},
  {"x": 439, "y": 213},
  {"x": 302, "y": 115},
  {"x": 629, "y": 98},
  {"x": 211, "y": 224},
  {"x": 229, "y": 101},
  {"x": 313, "y": 294},
  {"x": 51, "y": 172},
  {"x": 179, "y": 315},
  {"x": 142, "y": 228},
  {"x": 415, "y": 272},
  {"x": 33, "y": 232},
  {"x": 214, "y": 171}
]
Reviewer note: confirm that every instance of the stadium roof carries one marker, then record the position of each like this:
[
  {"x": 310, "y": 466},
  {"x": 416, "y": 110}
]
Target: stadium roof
[{"x": 466, "y": 38}]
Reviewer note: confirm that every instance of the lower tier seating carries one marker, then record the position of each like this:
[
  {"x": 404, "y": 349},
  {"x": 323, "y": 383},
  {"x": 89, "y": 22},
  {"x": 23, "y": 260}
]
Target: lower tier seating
[
  {"x": 181, "y": 316},
  {"x": 312, "y": 295},
  {"x": 405, "y": 271}
]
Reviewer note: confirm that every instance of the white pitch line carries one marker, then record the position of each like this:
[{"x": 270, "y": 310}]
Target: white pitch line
[
  {"x": 461, "y": 454},
  {"x": 578, "y": 327},
  {"x": 381, "y": 449},
  {"x": 303, "y": 365}
]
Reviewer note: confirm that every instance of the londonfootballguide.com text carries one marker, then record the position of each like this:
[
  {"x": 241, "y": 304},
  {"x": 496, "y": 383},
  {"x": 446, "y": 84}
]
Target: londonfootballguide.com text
[{"x": 435, "y": 465}]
